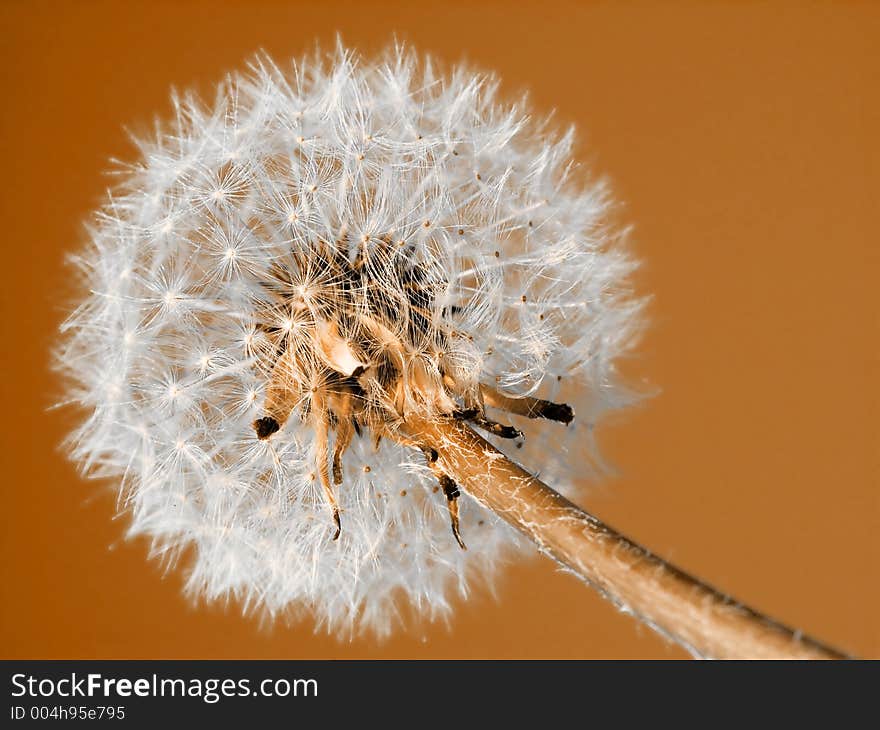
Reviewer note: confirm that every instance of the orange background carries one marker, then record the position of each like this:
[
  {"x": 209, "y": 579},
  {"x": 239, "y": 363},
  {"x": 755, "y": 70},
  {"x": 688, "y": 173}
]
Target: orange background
[{"x": 744, "y": 141}]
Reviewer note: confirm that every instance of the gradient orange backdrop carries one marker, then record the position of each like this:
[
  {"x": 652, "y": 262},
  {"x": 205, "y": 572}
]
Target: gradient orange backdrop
[{"x": 744, "y": 140}]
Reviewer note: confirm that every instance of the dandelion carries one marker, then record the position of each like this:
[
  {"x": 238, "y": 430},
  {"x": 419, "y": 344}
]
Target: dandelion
[{"x": 306, "y": 298}]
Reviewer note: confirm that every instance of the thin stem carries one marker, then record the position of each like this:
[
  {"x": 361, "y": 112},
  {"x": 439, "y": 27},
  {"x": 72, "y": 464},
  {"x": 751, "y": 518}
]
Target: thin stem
[{"x": 673, "y": 603}]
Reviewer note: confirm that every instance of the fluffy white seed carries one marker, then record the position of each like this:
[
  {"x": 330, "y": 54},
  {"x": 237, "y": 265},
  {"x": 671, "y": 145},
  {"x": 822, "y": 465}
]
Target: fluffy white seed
[{"x": 208, "y": 265}]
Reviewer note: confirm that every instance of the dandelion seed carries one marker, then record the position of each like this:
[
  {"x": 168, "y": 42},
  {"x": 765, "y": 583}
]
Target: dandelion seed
[{"x": 296, "y": 297}]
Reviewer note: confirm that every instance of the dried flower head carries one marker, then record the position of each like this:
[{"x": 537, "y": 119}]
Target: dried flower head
[{"x": 285, "y": 275}]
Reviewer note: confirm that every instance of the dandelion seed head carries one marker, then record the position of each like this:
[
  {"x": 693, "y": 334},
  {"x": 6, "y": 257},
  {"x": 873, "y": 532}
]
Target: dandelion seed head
[{"x": 284, "y": 274}]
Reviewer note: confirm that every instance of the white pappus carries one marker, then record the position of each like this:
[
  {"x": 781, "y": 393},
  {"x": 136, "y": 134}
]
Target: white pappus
[{"x": 288, "y": 271}]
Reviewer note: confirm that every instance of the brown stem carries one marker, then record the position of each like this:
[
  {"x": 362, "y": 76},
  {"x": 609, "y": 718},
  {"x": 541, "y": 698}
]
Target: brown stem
[{"x": 673, "y": 603}]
